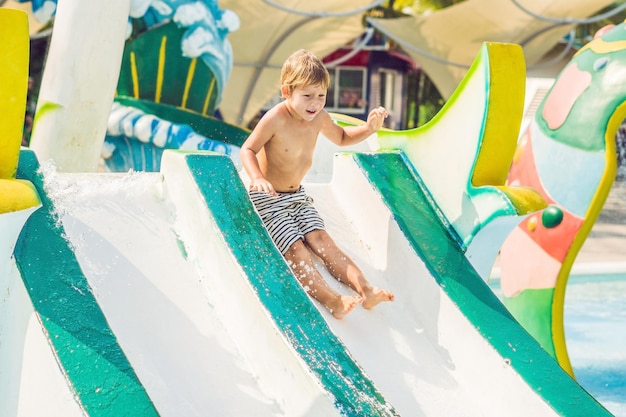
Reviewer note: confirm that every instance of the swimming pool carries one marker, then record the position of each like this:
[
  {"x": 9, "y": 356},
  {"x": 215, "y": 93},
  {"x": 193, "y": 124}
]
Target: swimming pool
[{"x": 595, "y": 324}]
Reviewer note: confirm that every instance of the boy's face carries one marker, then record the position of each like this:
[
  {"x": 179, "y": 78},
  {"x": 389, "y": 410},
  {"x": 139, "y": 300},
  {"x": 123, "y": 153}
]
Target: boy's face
[{"x": 307, "y": 101}]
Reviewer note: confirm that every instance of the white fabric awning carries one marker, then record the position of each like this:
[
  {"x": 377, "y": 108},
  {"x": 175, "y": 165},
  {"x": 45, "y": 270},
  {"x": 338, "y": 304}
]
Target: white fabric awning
[
  {"x": 268, "y": 35},
  {"x": 445, "y": 42}
]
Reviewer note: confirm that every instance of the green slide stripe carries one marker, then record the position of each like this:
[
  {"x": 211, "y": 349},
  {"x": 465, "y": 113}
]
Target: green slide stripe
[
  {"x": 95, "y": 366},
  {"x": 289, "y": 306},
  {"x": 404, "y": 196}
]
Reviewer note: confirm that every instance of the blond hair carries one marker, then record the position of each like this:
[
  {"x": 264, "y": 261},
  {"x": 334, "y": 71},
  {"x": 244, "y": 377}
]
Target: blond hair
[{"x": 303, "y": 69}]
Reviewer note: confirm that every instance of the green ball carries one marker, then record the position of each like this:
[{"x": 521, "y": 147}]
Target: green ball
[{"x": 552, "y": 216}]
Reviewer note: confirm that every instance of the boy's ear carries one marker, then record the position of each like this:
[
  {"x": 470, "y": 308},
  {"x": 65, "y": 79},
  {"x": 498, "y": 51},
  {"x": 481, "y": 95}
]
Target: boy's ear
[{"x": 284, "y": 91}]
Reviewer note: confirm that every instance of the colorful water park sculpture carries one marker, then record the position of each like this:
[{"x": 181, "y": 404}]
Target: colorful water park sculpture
[
  {"x": 173, "y": 72},
  {"x": 568, "y": 153},
  {"x": 174, "y": 65}
]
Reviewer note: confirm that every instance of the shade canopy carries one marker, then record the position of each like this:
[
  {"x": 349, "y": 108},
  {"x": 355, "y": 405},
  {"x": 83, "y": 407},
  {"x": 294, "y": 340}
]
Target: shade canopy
[
  {"x": 268, "y": 34},
  {"x": 445, "y": 42}
]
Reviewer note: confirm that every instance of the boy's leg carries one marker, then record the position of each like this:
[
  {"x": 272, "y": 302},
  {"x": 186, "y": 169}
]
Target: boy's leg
[
  {"x": 344, "y": 269},
  {"x": 299, "y": 259}
]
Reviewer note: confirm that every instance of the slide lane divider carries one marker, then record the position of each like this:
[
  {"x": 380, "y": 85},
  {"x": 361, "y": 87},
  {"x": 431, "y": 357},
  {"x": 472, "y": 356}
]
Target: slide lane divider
[
  {"x": 288, "y": 305},
  {"x": 404, "y": 194},
  {"x": 88, "y": 353}
]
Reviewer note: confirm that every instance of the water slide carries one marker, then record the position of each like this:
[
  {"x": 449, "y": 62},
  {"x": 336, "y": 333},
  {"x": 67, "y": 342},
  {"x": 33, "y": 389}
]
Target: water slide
[
  {"x": 143, "y": 294},
  {"x": 167, "y": 284}
]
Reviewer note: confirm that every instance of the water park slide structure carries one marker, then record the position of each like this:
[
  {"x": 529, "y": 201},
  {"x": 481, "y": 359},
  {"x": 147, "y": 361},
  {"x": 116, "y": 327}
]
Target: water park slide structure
[
  {"x": 107, "y": 291},
  {"x": 161, "y": 293}
]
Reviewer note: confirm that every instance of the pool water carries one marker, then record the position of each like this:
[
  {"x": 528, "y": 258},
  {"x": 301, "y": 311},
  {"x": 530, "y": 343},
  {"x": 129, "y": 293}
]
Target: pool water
[{"x": 595, "y": 332}]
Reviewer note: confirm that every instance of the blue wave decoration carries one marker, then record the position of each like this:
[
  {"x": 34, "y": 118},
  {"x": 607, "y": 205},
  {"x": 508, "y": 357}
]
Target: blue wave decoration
[{"x": 136, "y": 140}]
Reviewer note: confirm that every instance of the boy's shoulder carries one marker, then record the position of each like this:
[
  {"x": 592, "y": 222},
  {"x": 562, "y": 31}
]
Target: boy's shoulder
[
  {"x": 277, "y": 113},
  {"x": 276, "y": 119},
  {"x": 278, "y": 109}
]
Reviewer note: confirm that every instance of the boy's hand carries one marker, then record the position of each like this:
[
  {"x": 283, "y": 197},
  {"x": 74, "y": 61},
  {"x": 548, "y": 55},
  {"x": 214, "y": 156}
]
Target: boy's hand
[
  {"x": 263, "y": 186},
  {"x": 376, "y": 118}
]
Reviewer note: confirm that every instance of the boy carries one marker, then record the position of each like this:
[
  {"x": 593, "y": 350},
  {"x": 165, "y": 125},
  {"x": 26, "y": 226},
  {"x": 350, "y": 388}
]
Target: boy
[{"x": 277, "y": 155}]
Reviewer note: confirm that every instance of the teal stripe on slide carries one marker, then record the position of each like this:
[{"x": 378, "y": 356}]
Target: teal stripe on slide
[
  {"x": 87, "y": 351},
  {"x": 291, "y": 309},
  {"x": 430, "y": 239}
]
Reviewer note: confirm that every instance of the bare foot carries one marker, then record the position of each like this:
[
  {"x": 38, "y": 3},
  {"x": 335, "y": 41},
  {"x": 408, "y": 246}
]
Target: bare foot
[
  {"x": 377, "y": 296},
  {"x": 345, "y": 304}
]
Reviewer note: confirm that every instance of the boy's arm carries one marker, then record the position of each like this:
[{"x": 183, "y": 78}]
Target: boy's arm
[
  {"x": 350, "y": 135},
  {"x": 255, "y": 142}
]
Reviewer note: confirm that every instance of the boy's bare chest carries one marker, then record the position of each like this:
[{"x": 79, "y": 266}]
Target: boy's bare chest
[{"x": 297, "y": 145}]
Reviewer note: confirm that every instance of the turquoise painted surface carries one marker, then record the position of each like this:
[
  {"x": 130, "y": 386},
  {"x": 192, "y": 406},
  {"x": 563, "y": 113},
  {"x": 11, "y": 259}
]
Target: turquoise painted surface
[
  {"x": 95, "y": 366},
  {"x": 431, "y": 240},
  {"x": 289, "y": 306}
]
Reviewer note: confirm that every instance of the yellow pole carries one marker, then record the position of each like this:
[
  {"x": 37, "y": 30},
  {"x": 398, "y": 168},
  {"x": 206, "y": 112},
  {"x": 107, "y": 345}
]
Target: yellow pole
[{"x": 14, "y": 56}]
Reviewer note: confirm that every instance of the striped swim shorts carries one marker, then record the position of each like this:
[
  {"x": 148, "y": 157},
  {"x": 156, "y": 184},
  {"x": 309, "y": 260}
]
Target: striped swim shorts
[{"x": 288, "y": 217}]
